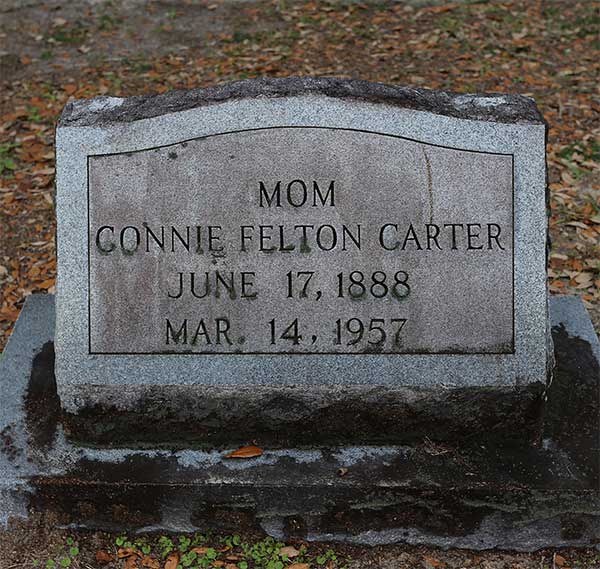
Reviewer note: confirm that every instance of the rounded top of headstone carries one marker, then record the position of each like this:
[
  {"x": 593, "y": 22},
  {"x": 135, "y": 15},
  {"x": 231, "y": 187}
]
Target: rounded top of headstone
[{"x": 503, "y": 108}]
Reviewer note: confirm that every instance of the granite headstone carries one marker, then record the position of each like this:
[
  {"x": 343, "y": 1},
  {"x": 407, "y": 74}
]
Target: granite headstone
[{"x": 317, "y": 235}]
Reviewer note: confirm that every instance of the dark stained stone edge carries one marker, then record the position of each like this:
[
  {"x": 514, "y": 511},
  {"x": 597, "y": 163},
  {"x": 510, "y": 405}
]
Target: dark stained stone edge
[{"x": 99, "y": 111}]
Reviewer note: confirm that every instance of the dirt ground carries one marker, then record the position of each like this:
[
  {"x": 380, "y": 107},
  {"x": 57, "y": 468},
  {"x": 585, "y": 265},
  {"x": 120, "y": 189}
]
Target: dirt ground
[
  {"x": 53, "y": 51},
  {"x": 34, "y": 544}
]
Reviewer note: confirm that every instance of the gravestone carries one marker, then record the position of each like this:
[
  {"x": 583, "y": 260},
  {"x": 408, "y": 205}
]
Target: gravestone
[
  {"x": 350, "y": 275},
  {"x": 315, "y": 236}
]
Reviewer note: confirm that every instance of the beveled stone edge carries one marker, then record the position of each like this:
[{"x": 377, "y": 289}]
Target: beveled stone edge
[{"x": 491, "y": 107}]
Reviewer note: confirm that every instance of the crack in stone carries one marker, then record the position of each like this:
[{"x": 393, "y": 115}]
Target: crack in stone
[{"x": 429, "y": 183}]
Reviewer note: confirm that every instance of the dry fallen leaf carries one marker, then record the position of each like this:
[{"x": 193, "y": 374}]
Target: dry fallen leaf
[
  {"x": 172, "y": 561},
  {"x": 103, "y": 557},
  {"x": 127, "y": 552},
  {"x": 559, "y": 560},
  {"x": 131, "y": 562},
  {"x": 298, "y": 566},
  {"x": 245, "y": 452},
  {"x": 433, "y": 562},
  {"x": 290, "y": 551},
  {"x": 579, "y": 224},
  {"x": 150, "y": 562}
]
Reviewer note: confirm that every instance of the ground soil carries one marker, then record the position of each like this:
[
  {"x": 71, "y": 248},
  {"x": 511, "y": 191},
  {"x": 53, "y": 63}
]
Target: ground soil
[{"x": 37, "y": 541}]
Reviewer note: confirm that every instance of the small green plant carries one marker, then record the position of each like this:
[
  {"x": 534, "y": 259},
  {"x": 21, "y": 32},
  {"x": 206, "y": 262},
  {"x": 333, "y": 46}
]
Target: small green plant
[
  {"x": 143, "y": 546},
  {"x": 166, "y": 545},
  {"x": 202, "y": 551},
  {"x": 329, "y": 555},
  {"x": 65, "y": 557},
  {"x": 199, "y": 539},
  {"x": 73, "y": 35},
  {"x": 231, "y": 541},
  {"x": 6, "y": 161},
  {"x": 264, "y": 553},
  {"x": 50, "y": 92},
  {"x": 114, "y": 79},
  {"x": 187, "y": 559},
  {"x": 33, "y": 114},
  {"x": 107, "y": 22},
  {"x": 184, "y": 543},
  {"x": 141, "y": 67},
  {"x": 578, "y": 152}
]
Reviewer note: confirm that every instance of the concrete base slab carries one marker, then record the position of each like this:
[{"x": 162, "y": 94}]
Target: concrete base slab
[{"x": 505, "y": 494}]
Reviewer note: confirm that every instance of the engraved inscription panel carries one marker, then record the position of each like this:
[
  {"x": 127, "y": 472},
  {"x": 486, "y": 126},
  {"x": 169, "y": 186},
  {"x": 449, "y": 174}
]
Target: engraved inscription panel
[{"x": 301, "y": 241}]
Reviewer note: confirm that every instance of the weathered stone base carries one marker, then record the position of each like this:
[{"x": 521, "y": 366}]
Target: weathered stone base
[
  {"x": 505, "y": 494},
  {"x": 176, "y": 417}
]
